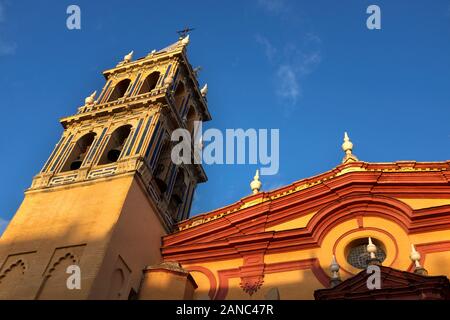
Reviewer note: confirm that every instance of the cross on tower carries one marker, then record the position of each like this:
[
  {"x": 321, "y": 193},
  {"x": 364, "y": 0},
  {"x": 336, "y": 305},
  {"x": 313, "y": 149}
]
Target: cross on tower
[{"x": 183, "y": 33}]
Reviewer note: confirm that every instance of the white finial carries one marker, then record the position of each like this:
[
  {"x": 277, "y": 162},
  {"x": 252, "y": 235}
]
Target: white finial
[
  {"x": 153, "y": 51},
  {"x": 371, "y": 249},
  {"x": 415, "y": 256},
  {"x": 204, "y": 90},
  {"x": 185, "y": 40},
  {"x": 91, "y": 99},
  {"x": 334, "y": 268},
  {"x": 128, "y": 57},
  {"x": 255, "y": 185},
  {"x": 347, "y": 146}
]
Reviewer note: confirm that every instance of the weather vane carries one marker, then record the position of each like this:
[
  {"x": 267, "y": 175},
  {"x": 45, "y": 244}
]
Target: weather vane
[{"x": 183, "y": 33}]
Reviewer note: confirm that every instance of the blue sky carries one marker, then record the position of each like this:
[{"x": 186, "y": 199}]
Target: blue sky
[{"x": 309, "y": 68}]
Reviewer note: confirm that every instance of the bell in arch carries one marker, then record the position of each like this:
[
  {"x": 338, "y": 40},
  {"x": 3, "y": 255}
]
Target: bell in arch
[
  {"x": 161, "y": 184},
  {"x": 159, "y": 179},
  {"x": 76, "y": 164},
  {"x": 114, "y": 153}
]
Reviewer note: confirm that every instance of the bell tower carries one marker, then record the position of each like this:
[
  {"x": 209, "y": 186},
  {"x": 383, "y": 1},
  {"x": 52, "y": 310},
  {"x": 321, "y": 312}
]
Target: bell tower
[{"x": 109, "y": 190}]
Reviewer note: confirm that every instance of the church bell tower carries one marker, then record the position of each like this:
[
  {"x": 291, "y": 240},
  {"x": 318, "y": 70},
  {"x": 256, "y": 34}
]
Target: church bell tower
[{"x": 109, "y": 190}]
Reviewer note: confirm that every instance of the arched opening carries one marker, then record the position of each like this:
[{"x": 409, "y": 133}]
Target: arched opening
[
  {"x": 179, "y": 95},
  {"x": 190, "y": 120},
  {"x": 56, "y": 275},
  {"x": 163, "y": 166},
  {"x": 119, "y": 90},
  {"x": 11, "y": 277},
  {"x": 79, "y": 152},
  {"x": 150, "y": 82},
  {"x": 115, "y": 145},
  {"x": 178, "y": 193},
  {"x": 116, "y": 285}
]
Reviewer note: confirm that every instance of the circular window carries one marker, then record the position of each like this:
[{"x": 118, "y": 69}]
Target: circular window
[{"x": 357, "y": 254}]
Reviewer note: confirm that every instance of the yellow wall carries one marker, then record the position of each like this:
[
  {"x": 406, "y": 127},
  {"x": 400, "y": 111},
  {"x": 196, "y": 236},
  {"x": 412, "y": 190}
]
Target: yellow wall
[
  {"x": 105, "y": 226},
  {"x": 296, "y": 223},
  {"x": 164, "y": 285},
  {"x": 301, "y": 284}
]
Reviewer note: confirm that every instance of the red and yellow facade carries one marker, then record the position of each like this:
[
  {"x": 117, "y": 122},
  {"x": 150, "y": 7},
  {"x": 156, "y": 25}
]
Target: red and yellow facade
[
  {"x": 109, "y": 193},
  {"x": 280, "y": 244}
]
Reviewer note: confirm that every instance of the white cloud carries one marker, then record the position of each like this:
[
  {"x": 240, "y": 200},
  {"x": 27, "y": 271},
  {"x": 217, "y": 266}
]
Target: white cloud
[
  {"x": 274, "y": 6},
  {"x": 311, "y": 38},
  {"x": 269, "y": 50},
  {"x": 281, "y": 9},
  {"x": 287, "y": 83},
  {"x": 6, "y": 48},
  {"x": 292, "y": 64},
  {"x": 309, "y": 62}
]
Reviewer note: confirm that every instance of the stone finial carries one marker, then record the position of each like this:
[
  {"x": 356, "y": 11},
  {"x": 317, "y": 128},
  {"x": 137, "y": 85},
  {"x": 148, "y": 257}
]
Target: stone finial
[
  {"x": 255, "y": 185},
  {"x": 334, "y": 268},
  {"x": 91, "y": 99},
  {"x": 347, "y": 146},
  {"x": 415, "y": 257},
  {"x": 185, "y": 40},
  {"x": 204, "y": 90},
  {"x": 128, "y": 57},
  {"x": 372, "y": 249}
]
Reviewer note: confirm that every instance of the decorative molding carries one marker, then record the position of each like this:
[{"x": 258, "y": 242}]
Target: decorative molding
[
  {"x": 427, "y": 248},
  {"x": 414, "y": 173},
  {"x": 252, "y": 272},
  {"x": 221, "y": 239},
  {"x": 103, "y": 172},
  {"x": 208, "y": 273},
  {"x": 251, "y": 284},
  {"x": 63, "y": 179}
]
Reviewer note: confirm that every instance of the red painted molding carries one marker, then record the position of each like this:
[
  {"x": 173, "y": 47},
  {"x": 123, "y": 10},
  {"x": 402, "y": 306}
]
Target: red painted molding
[
  {"x": 426, "y": 248},
  {"x": 312, "y": 236},
  {"x": 350, "y": 196},
  {"x": 209, "y": 275},
  {"x": 433, "y": 179},
  {"x": 360, "y": 221},
  {"x": 224, "y": 275},
  {"x": 252, "y": 272}
]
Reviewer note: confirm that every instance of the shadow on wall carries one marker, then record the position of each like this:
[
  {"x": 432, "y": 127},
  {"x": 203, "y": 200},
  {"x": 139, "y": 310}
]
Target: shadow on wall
[
  {"x": 37, "y": 267},
  {"x": 290, "y": 285}
]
